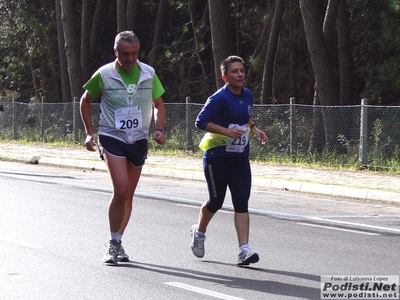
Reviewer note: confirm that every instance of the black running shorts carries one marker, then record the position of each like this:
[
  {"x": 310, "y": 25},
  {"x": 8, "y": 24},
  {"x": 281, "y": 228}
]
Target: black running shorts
[{"x": 135, "y": 153}]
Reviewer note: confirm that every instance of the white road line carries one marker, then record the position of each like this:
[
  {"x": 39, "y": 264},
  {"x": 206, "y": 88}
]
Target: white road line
[
  {"x": 197, "y": 207},
  {"x": 339, "y": 229},
  {"x": 357, "y": 224},
  {"x": 21, "y": 243},
  {"x": 263, "y": 211},
  {"x": 202, "y": 291},
  {"x": 188, "y": 205}
]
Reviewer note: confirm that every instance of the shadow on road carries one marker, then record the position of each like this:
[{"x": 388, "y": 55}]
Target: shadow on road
[{"x": 261, "y": 285}]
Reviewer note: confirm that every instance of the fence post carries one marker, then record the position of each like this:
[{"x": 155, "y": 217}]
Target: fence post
[
  {"x": 15, "y": 123},
  {"x": 363, "y": 151},
  {"x": 74, "y": 120},
  {"x": 14, "y": 130},
  {"x": 292, "y": 120},
  {"x": 189, "y": 141},
  {"x": 41, "y": 119}
]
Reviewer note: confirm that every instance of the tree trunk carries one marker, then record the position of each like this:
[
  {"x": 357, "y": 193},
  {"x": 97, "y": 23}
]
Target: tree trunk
[
  {"x": 261, "y": 43},
  {"x": 345, "y": 58},
  {"x": 320, "y": 60},
  {"x": 64, "y": 78},
  {"x": 121, "y": 15},
  {"x": 222, "y": 35},
  {"x": 317, "y": 139},
  {"x": 329, "y": 30},
  {"x": 269, "y": 66},
  {"x": 259, "y": 48},
  {"x": 188, "y": 67},
  {"x": 71, "y": 49},
  {"x": 86, "y": 58},
  {"x": 132, "y": 15},
  {"x": 324, "y": 82},
  {"x": 159, "y": 33},
  {"x": 95, "y": 28},
  {"x": 329, "y": 27}
]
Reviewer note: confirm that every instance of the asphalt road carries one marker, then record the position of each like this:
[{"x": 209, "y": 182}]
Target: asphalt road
[{"x": 53, "y": 227}]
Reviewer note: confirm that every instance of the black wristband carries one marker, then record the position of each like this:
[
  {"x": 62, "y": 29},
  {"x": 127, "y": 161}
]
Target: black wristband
[
  {"x": 159, "y": 129},
  {"x": 251, "y": 127}
]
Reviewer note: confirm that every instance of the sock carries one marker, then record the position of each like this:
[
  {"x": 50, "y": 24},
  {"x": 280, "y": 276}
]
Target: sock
[
  {"x": 243, "y": 246},
  {"x": 200, "y": 234},
  {"x": 116, "y": 236}
]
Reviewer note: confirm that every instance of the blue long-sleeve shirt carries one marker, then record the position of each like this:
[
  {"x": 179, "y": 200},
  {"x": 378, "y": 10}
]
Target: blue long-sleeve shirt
[{"x": 224, "y": 108}]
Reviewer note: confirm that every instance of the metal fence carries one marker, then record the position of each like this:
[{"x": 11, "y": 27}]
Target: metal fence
[{"x": 337, "y": 135}]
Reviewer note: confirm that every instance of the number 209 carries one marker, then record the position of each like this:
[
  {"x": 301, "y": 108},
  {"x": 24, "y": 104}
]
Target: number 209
[{"x": 129, "y": 124}]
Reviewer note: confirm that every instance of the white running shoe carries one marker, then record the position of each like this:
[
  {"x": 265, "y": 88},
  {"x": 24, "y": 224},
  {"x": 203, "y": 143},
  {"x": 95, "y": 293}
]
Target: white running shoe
[
  {"x": 197, "y": 242},
  {"x": 111, "y": 256},
  {"x": 247, "y": 256},
  {"x": 121, "y": 255}
]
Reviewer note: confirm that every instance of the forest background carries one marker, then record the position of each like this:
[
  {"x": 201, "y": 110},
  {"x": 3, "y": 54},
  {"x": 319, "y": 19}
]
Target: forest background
[{"x": 323, "y": 52}]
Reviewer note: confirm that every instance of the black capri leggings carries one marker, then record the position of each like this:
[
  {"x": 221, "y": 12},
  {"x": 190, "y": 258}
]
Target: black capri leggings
[{"x": 222, "y": 172}]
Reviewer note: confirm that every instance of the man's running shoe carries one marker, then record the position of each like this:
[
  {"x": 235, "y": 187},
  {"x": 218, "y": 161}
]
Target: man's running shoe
[
  {"x": 197, "y": 242},
  {"x": 111, "y": 256},
  {"x": 121, "y": 255},
  {"x": 247, "y": 256}
]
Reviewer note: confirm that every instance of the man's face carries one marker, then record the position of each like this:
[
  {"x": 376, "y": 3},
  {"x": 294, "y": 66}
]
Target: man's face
[{"x": 127, "y": 55}]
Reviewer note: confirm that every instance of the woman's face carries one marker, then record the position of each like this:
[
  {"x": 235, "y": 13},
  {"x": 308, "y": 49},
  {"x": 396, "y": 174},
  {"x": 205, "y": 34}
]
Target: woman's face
[{"x": 235, "y": 76}]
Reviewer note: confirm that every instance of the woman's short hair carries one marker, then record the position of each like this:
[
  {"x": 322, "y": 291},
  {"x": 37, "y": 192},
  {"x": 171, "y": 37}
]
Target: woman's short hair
[{"x": 228, "y": 61}]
